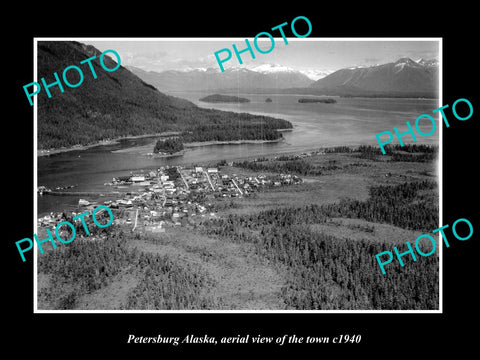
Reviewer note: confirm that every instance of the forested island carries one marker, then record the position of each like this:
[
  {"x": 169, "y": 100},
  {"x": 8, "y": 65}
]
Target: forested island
[
  {"x": 215, "y": 98},
  {"x": 168, "y": 146},
  {"x": 317, "y": 100}
]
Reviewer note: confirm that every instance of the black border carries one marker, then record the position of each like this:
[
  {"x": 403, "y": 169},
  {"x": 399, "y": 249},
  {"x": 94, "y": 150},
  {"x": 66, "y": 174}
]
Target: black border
[{"x": 382, "y": 334}]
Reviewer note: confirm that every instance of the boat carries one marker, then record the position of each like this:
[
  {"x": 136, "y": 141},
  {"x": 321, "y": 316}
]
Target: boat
[{"x": 83, "y": 202}]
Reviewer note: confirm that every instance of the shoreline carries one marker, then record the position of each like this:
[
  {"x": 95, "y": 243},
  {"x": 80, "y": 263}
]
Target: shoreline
[
  {"x": 48, "y": 152},
  {"x": 145, "y": 150}
]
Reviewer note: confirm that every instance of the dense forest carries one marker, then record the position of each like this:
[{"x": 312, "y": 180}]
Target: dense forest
[
  {"x": 168, "y": 146},
  {"x": 409, "y": 205},
  {"x": 323, "y": 271},
  {"x": 168, "y": 285},
  {"x": 116, "y": 104},
  {"x": 299, "y": 167},
  {"x": 232, "y": 132},
  {"x": 85, "y": 266},
  {"x": 220, "y": 132},
  {"x": 326, "y": 272},
  {"x": 409, "y": 152}
]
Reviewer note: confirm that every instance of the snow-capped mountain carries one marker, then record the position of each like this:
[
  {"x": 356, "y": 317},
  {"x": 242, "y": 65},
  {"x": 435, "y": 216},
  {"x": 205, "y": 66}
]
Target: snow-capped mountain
[
  {"x": 403, "y": 77},
  {"x": 271, "y": 68},
  {"x": 260, "y": 77}
]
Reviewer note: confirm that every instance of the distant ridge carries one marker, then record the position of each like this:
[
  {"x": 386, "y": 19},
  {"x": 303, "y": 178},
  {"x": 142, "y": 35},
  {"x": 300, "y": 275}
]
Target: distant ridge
[{"x": 404, "y": 77}]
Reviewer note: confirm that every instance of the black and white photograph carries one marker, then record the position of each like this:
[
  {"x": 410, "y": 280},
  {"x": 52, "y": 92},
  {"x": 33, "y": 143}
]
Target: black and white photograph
[
  {"x": 259, "y": 187},
  {"x": 218, "y": 179}
]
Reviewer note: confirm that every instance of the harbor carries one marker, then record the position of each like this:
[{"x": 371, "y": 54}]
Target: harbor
[{"x": 169, "y": 196}]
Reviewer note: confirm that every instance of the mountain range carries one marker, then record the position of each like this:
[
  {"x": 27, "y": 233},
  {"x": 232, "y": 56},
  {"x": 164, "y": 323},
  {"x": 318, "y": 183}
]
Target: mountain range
[
  {"x": 402, "y": 77},
  {"x": 405, "y": 78},
  {"x": 212, "y": 79},
  {"x": 120, "y": 103}
]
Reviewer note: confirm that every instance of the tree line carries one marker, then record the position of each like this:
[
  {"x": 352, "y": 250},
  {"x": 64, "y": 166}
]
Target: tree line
[
  {"x": 220, "y": 132},
  {"x": 298, "y": 166},
  {"x": 408, "y": 152},
  {"x": 83, "y": 267},
  {"x": 294, "y": 164}
]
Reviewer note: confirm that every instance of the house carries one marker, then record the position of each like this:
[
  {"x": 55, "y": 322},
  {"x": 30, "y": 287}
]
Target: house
[
  {"x": 212, "y": 170},
  {"x": 137, "y": 178},
  {"x": 198, "y": 169}
]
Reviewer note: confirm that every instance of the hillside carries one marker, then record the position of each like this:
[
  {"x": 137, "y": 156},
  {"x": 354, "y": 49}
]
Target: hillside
[
  {"x": 404, "y": 77},
  {"x": 116, "y": 104}
]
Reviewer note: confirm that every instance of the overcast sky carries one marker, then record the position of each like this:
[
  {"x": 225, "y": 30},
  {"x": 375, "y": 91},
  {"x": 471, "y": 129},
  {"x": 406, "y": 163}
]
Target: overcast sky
[{"x": 309, "y": 55}]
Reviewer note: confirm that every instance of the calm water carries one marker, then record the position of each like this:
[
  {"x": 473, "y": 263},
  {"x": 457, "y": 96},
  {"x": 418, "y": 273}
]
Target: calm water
[{"x": 351, "y": 121}]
